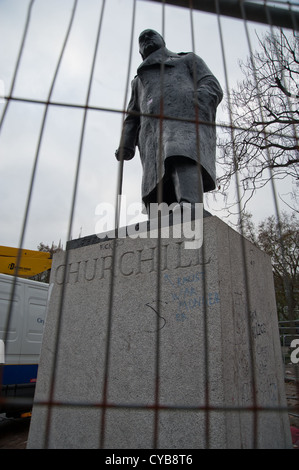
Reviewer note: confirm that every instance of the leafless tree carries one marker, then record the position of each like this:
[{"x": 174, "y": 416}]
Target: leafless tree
[
  {"x": 281, "y": 242},
  {"x": 263, "y": 140}
]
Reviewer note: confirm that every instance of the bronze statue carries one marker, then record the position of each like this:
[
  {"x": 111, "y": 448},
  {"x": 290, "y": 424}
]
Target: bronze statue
[{"x": 171, "y": 118}]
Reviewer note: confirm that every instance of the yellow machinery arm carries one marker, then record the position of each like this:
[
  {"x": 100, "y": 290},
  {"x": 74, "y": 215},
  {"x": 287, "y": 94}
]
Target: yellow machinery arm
[{"x": 31, "y": 262}]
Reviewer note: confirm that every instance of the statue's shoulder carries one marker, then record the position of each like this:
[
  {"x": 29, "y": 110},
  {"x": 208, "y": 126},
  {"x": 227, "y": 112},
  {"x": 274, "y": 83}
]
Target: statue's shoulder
[
  {"x": 134, "y": 84},
  {"x": 187, "y": 56},
  {"x": 178, "y": 55},
  {"x": 135, "y": 81}
]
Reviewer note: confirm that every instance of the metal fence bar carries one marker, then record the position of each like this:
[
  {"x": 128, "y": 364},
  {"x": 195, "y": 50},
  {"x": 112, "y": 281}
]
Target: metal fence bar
[
  {"x": 114, "y": 252},
  {"x": 37, "y": 153},
  {"x": 21, "y": 50},
  {"x": 244, "y": 256},
  {"x": 75, "y": 188},
  {"x": 255, "y": 11},
  {"x": 206, "y": 370}
]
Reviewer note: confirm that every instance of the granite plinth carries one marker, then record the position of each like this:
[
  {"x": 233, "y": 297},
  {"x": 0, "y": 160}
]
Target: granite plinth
[{"x": 213, "y": 326}]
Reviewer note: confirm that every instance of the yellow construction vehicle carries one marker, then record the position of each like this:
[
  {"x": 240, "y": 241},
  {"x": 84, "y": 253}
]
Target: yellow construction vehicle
[{"x": 23, "y": 263}]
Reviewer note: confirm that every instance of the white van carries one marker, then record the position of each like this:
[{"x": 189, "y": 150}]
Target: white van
[{"x": 20, "y": 347}]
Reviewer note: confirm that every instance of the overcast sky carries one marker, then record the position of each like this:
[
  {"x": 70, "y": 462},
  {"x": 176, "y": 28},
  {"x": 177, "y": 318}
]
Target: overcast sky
[{"x": 50, "y": 206}]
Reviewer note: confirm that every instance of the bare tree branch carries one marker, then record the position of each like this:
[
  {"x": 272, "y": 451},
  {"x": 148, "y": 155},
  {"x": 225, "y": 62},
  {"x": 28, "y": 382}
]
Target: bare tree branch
[{"x": 264, "y": 108}]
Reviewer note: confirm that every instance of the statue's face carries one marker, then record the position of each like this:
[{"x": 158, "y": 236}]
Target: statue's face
[{"x": 150, "y": 41}]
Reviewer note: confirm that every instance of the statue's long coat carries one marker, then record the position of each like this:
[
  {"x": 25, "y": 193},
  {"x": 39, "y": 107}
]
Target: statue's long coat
[{"x": 189, "y": 91}]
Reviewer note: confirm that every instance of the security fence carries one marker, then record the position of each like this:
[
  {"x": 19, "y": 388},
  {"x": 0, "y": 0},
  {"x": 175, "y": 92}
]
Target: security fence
[{"x": 67, "y": 70}]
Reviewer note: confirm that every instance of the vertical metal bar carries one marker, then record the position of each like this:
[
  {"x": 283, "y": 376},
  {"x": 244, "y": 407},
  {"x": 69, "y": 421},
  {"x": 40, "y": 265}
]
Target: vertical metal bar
[
  {"x": 114, "y": 249},
  {"x": 244, "y": 258},
  {"x": 159, "y": 277},
  {"x": 274, "y": 193},
  {"x": 294, "y": 19},
  {"x": 202, "y": 249},
  {"x": 121, "y": 163},
  {"x": 33, "y": 175},
  {"x": 12, "y": 294},
  {"x": 79, "y": 158}
]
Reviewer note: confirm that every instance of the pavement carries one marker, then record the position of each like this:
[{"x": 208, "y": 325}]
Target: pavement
[{"x": 13, "y": 432}]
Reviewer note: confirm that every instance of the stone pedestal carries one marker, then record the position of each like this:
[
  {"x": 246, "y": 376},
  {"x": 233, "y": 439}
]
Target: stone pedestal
[{"x": 212, "y": 330}]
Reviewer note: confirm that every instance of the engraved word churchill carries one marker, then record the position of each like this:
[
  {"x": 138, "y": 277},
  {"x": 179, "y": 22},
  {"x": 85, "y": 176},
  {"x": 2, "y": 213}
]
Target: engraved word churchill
[{"x": 129, "y": 262}]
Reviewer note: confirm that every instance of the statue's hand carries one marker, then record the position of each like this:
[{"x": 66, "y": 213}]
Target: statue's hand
[{"x": 125, "y": 153}]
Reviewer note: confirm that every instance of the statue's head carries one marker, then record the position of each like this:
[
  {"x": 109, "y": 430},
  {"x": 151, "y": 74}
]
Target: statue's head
[{"x": 150, "y": 41}]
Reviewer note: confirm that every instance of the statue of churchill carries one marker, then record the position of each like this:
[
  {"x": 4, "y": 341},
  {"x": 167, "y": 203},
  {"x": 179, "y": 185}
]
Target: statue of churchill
[{"x": 171, "y": 118}]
